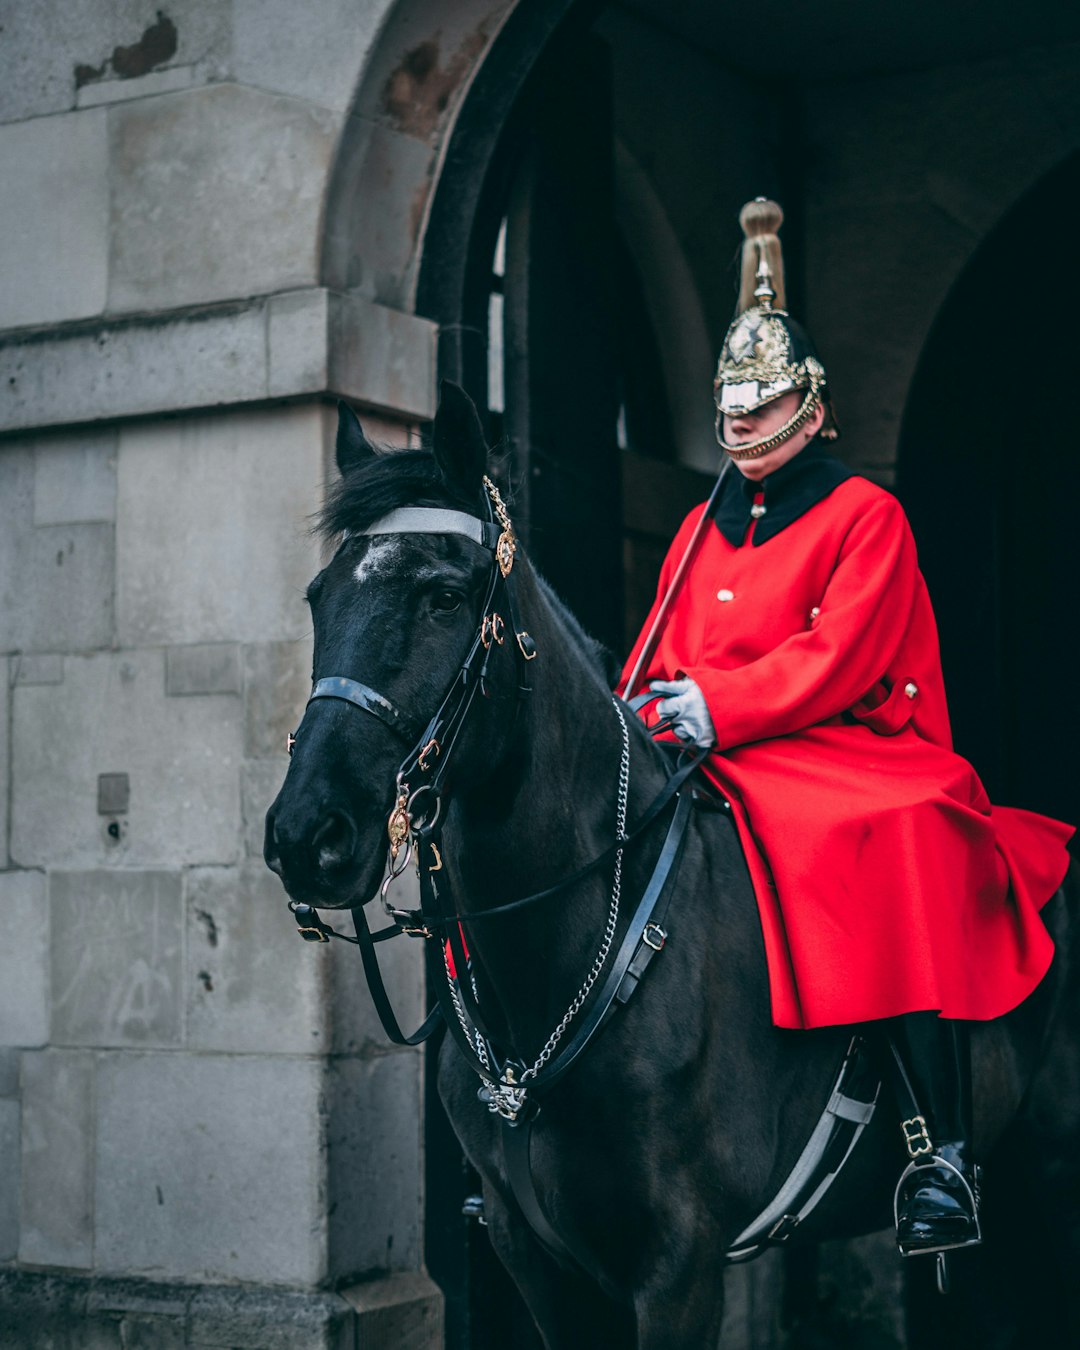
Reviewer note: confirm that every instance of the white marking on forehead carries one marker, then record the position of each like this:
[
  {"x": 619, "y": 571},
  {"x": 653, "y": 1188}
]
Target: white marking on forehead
[{"x": 381, "y": 555}]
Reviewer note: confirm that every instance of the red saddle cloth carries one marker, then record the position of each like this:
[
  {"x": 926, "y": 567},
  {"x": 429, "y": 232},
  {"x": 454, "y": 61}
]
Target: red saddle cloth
[{"x": 885, "y": 880}]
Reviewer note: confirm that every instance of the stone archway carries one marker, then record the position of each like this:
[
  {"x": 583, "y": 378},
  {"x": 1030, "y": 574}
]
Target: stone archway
[{"x": 989, "y": 472}]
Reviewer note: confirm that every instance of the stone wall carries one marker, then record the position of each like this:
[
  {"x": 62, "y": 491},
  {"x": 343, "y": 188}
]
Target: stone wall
[{"x": 202, "y": 1122}]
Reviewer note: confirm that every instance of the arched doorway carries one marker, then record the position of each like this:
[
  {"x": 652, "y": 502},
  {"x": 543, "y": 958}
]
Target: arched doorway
[{"x": 990, "y": 475}]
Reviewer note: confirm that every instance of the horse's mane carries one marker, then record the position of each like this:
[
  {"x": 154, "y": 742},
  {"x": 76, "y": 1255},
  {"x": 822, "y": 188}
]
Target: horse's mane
[
  {"x": 391, "y": 479},
  {"x": 396, "y": 478}
]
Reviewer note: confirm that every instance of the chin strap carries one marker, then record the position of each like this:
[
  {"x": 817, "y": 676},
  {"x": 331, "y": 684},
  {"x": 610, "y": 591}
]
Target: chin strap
[{"x": 755, "y": 449}]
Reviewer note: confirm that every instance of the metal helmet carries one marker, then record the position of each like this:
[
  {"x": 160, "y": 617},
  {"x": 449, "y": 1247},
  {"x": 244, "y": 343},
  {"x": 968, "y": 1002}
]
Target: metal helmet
[{"x": 766, "y": 353}]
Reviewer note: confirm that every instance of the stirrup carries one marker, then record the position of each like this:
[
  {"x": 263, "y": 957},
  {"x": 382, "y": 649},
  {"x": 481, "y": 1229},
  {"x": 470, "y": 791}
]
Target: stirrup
[{"x": 929, "y": 1163}]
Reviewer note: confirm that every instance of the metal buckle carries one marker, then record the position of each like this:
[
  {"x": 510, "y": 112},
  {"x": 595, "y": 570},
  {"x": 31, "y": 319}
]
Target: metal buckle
[
  {"x": 308, "y": 924},
  {"x": 916, "y": 1136},
  {"x": 523, "y": 638},
  {"x": 422, "y": 758},
  {"x": 492, "y": 629},
  {"x": 655, "y": 942},
  {"x": 290, "y": 741}
]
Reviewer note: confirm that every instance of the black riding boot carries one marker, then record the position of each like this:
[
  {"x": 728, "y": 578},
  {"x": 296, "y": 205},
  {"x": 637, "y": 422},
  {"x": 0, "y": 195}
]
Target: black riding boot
[{"x": 937, "y": 1196}]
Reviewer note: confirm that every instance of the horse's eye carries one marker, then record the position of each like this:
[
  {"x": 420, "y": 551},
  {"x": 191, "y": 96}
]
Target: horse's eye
[{"x": 445, "y": 602}]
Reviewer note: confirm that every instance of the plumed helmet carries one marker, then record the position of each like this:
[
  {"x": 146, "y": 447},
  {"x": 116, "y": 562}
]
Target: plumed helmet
[{"x": 766, "y": 353}]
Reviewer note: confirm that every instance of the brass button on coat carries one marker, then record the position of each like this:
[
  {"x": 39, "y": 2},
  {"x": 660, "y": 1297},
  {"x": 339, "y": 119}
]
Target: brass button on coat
[
  {"x": 911, "y": 688},
  {"x": 725, "y": 595}
]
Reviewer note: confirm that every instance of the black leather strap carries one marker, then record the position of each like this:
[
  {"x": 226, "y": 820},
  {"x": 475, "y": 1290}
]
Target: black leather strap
[
  {"x": 362, "y": 696},
  {"x": 365, "y": 941}
]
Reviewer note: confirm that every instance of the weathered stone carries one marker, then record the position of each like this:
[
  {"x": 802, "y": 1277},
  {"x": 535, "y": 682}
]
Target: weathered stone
[
  {"x": 10, "y": 1059},
  {"x": 75, "y": 477},
  {"x": 277, "y": 682},
  {"x": 37, "y": 668},
  {"x": 375, "y": 1183},
  {"x": 399, "y": 1312},
  {"x": 304, "y": 342},
  {"x": 47, "y": 64},
  {"x": 145, "y": 86},
  {"x": 111, "y": 715},
  {"x": 216, "y": 193},
  {"x": 210, "y": 1167},
  {"x": 9, "y": 1180},
  {"x": 57, "y": 1170},
  {"x": 321, "y": 341},
  {"x": 207, "y": 668},
  {"x": 56, "y": 581},
  {"x": 260, "y": 782},
  {"x": 116, "y": 958},
  {"x": 236, "y": 492},
  {"x": 279, "y": 47},
  {"x": 55, "y": 258},
  {"x": 24, "y": 960},
  {"x": 382, "y": 357},
  {"x": 6, "y": 675},
  {"x": 250, "y": 983},
  {"x": 270, "y": 1319}
]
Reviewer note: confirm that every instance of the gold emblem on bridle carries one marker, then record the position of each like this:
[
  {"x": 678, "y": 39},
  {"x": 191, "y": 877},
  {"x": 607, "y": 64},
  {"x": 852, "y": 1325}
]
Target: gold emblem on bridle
[
  {"x": 506, "y": 547},
  {"x": 397, "y": 827}
]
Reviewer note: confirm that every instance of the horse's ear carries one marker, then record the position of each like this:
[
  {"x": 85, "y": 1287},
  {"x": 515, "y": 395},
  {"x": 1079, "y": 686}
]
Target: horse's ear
[
  {"x": 353, "y": 447},
  {"x": 458, "y": 438}
]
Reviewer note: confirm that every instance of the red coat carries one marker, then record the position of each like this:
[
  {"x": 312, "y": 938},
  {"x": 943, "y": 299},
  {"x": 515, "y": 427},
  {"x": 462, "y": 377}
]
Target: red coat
[{"x": 886, "y": 882}]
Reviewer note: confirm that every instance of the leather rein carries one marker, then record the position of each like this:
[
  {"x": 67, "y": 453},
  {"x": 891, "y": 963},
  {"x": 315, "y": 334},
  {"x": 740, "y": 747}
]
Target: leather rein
[{"x": 509, "y": 1088}]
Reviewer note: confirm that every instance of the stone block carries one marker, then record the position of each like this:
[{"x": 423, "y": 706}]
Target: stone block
[
  {"x": 143, "y": 86},
  {"x": 9, "y": 1180},
  {"x": 375, "y": 1161},
  {"x": 10, "y": 1059},
  {"x": 128, "y": 367},
  {"x": 55, "y": 258},
  {"x": 6, "y": 676},
  {"x": 277, "y": 682},
  {"x": 322, "y": 341},
  {"x": 111, "y": 715},
  {"x": 116, "y": 958},
  {"x": 37, "y": 668},
  {"x": 250, "y": 983},
  {"x": 279, "y": 46},
  {"x": 216, "y": 192},
  {"x": 270, "y": 1319},
  {"x": 400, "y": 1312},
  {"x": 210, "y": 1168},
  {"x": 260, "y": 783},
  {"x": 24, "y": 960},
  {"x": 75, "y": 477},
  {"x": 382, "y": 357},
  {"x": 55, "y": 1225},
  {"x": 56, "y": 581},
  {"x": 207, "y": 668},
  {"x": 234, "y": 493}
]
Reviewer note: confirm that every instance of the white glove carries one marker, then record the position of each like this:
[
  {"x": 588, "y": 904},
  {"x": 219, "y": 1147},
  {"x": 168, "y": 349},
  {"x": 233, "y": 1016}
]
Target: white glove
[{"x": 687, "y": 707}]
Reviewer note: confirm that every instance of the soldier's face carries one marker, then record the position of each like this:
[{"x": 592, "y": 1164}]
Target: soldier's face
[{"x": 764, "y": 421}]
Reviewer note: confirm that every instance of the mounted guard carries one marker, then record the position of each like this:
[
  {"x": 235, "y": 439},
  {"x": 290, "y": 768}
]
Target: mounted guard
[{"x": 793, "y": 636}]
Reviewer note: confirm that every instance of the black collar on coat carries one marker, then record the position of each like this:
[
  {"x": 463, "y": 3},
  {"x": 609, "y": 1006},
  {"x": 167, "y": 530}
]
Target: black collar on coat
[{"x": 789, "y": 493}]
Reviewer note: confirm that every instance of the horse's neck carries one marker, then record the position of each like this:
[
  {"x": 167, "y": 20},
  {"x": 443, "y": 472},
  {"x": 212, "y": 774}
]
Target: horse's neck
[{"x": 549, "y": 811}]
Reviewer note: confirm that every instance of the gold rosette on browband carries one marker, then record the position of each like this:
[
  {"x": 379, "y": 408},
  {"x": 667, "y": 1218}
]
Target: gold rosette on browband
[{"x": 766, "y": 353}]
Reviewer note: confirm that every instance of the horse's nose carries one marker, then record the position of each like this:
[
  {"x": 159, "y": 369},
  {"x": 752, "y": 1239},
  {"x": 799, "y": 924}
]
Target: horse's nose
[
  {"x": 271, "y": 851},
  {"x": 334, "y": 841}
]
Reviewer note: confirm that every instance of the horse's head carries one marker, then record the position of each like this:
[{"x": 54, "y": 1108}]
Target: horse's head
[{"x": 397, "y": 611}]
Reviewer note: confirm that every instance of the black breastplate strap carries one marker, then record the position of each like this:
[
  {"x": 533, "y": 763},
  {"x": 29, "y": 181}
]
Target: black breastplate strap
[
  {"x": 847, "y": 1113},
  {"x": 645, "y": 936}
]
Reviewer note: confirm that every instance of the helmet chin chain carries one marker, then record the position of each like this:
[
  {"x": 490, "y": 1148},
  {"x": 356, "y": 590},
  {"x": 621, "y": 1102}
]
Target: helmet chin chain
[{"x": 755, "y": 449}]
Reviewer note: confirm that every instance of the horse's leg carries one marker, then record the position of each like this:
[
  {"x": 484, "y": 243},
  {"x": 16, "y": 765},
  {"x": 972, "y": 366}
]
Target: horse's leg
[
  {"x": 570, "y": 1311},
  {"x": 682, "y": 1304}
]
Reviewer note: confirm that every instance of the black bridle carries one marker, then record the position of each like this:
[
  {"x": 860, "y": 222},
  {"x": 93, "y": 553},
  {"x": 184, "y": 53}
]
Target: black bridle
[{"x": 414, "y": 828}]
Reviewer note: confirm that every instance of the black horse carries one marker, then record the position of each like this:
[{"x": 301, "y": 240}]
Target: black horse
[{"x": 687, "y": 1112}]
